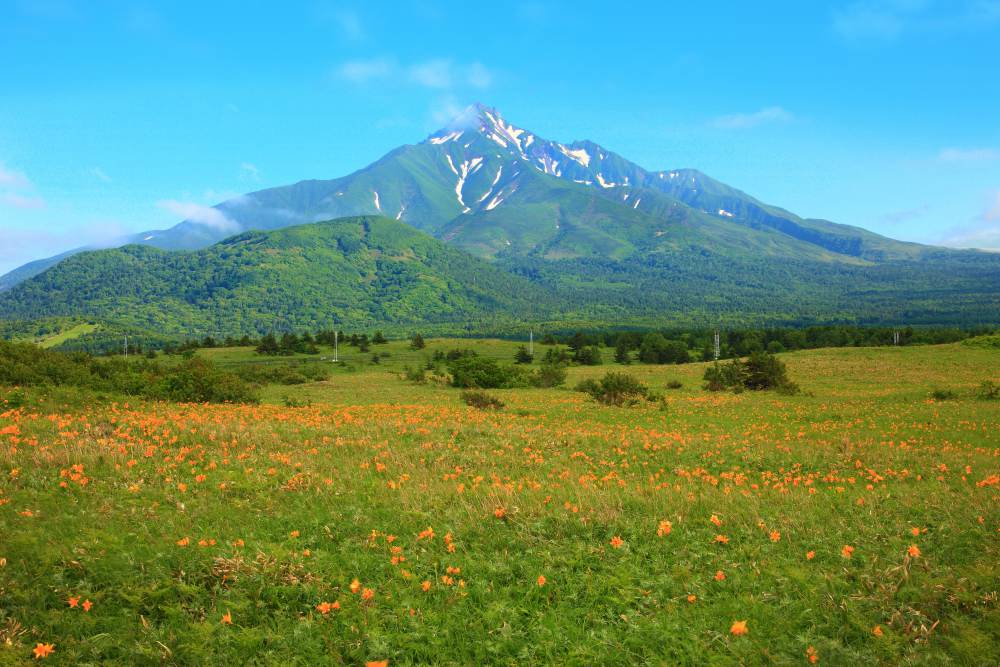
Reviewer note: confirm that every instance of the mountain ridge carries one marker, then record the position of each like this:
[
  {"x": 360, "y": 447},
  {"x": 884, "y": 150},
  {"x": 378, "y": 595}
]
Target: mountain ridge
[{"x": 452, "y": 182}]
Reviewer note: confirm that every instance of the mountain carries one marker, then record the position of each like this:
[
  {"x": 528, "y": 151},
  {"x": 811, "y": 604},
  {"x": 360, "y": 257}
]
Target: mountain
[
  {"x": 498, "y": 190},
  {"x": 357, "y": 272},
  {"x": 485, "y": 226}
]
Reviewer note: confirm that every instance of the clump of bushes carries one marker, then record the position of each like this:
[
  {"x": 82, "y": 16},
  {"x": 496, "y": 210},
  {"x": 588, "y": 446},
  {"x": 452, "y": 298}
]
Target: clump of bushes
[
  {"x": 988, "y": 391},
  {"x": 416, "y": 375},
  {"x": 481, "y": 400},
  {"x": 200, "y": 381},
  {"x": 674, "y": 384},
  {"x": 619, "y": 389},
  {"x": 761, "y": 370},
  {"x": 283, "y": 373},
  {"x": 194, "y": 380},
  {"x": 473, "y": 372},
  {"x": 943, "y": 395},
  {"x": 549, "y": 375}
]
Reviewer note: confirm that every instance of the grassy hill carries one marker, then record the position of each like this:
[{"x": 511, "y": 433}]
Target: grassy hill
[{"x": 356, "y": 272}]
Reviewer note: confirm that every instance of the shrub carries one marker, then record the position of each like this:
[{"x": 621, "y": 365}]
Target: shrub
[
  {"x": 481, "y": 400},
  {"x": 766, "y": 371},
  {"x": 588, "y": 356},
  {"x": 198, "y": 381},
  {"x": 549, "y": 375},
  {"x": 622, "y": 355},
  {"x": 522, "y": 356},
  {"x": 483, "y": 373},
  {"x": 416, "y": 375},
  {"x": 555, "y": 355},
  {"x": 656, "y": 349},
  {"x": 292, "y": 402},
  {"x": 988, "y": 390},
  {"x": 674, "y": 384},
  {"x": 417, "y": 342},
  {"x": 761, "y": 370},
  {"x": 719, "y": 377},
  {"x": 615, "y": 389},
  {"x": 943, "y": 395}
]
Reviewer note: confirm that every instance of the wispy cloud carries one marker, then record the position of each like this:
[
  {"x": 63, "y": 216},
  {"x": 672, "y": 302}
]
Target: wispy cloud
[
  {"x": 435, "y": 74},
  {"x": 199, "y": 213},
  {"x": 742, "y": 121},
  {"x": 11, "y": 178},
  {"x": 363, "y": 71},
  {"x": 982, "y": 233},
  {"x": 21, "y": 201},
  {"x": 249, "y": 171},
  {"x": 887, "y": 20},
  {"x": 969, "y": 155},
  {"x": 99, "y": 174},
  {"x": 350, "y": 24},
  {"x": 18, "y": 188}
]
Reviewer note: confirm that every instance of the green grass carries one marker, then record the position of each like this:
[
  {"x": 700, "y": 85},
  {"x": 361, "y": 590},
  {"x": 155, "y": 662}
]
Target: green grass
[
  {"x": 296, "y": 503},
  {"x": 68, "y": 334}
]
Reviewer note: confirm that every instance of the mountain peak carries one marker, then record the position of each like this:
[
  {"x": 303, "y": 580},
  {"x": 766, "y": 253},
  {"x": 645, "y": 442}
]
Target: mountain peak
[{"x": 488, "y": 122}]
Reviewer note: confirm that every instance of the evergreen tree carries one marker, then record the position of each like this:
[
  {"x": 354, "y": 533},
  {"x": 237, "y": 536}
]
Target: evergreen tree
[
  {"x": 622, "y": 355},
  {"x": 268, "y": 345}
]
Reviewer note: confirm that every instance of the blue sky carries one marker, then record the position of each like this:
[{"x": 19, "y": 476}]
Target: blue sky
[{"x": 125, "y": 116}]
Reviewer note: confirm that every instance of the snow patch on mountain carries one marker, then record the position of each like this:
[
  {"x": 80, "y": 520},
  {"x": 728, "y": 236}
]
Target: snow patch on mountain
[
  {"x": 580, "y": 155},
  {"x": 452, "y": 136}
]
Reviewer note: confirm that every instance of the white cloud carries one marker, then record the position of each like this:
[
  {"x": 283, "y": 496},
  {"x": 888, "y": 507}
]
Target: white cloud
[
  {"x": 350, "y": 24},
  {"x": 249, "y": 171},
  {"x": 478, "y": 76},
  {"x": 20, "y": 201},
  {"x": 887, "y": 20},
  {"x": 436, "y": 74},
  {"x": 432, "y": 74},
  {"x": 992, "y": 214},
  {"x": 983, "y": 233},
  {"x": 200, "y": 214},
  {"x": 742, "y": 121},
  {"x": 447, "y": 110},
  {"x": 442, "y": 73},
  {"x": 968, "y": 154},
  {"x": 363, "y": 71},
  {"x": 12, "y": 179}
]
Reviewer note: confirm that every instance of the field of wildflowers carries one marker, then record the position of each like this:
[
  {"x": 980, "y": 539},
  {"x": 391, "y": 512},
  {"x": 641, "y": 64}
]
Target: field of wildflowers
[{"x": 855, "y": 523}]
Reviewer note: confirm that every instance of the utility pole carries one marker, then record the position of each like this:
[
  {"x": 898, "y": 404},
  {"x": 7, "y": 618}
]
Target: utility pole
[
  {"x": 126, "y": 347},
  {"x": 531, "y": 342},
  {"x": 717, "y": 352},
  {"x": 336, "y": 347},
  {"x": 895, "y": 338}
]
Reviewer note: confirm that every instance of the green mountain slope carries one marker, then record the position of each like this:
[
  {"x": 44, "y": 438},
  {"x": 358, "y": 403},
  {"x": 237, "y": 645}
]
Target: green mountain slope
[
  {"x": 374, "y": 272},
  {"x": 354, "y": 272}
]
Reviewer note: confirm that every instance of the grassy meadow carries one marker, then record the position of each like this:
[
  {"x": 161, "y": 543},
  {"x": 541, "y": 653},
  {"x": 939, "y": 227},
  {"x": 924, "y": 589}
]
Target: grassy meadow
[{"x": 384, "y": 520}]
